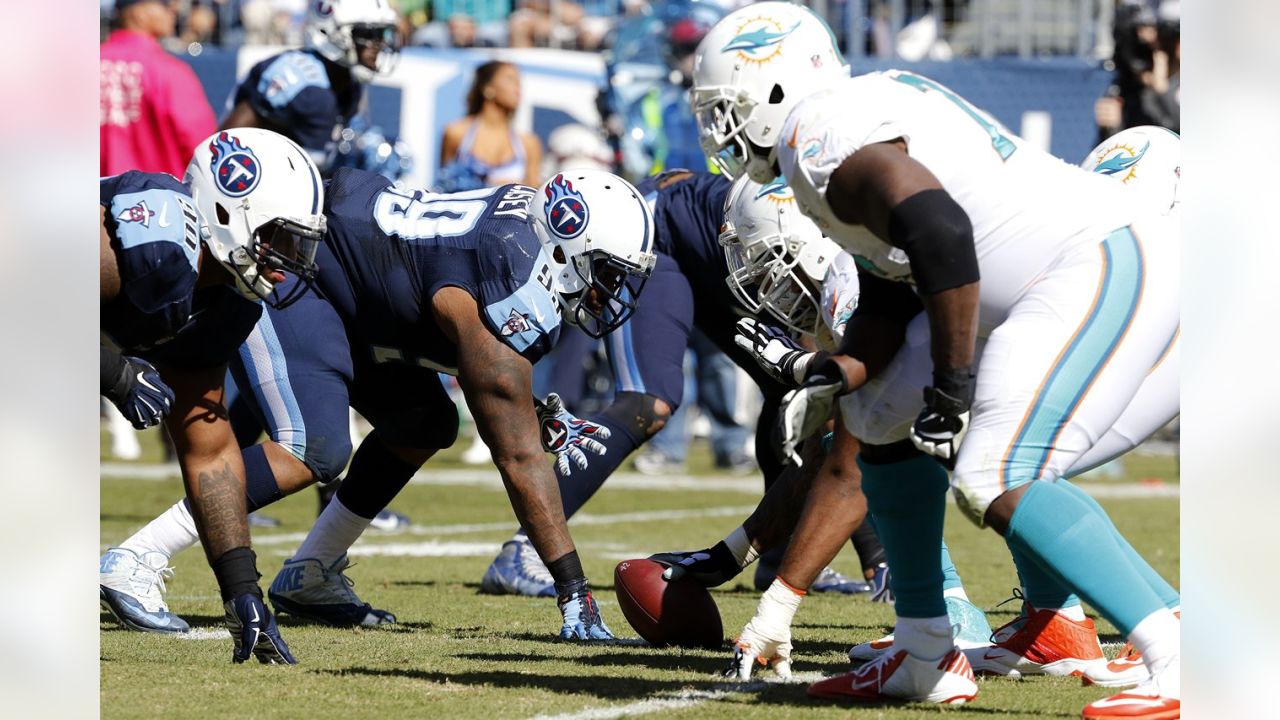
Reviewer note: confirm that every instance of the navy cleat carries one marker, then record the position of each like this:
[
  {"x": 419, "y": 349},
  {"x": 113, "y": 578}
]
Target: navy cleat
[
  {"x": 830, "y": 581},
  {"x": 518, "y": 571},
  {"x": 131, "y": 587},
  {"x": 881, "y": 592},
  {"x": 307, "y": 589},
  {"x": 255, "y": 633},
  {"x": 389, "y": 521}
]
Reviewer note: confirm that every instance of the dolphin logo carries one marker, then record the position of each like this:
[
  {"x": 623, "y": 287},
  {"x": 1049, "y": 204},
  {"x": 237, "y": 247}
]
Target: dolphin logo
[
  {"x": 758, "y": 39},
  {"x": 1121, "y": 162},
  {"x": 776, "y": 186}
]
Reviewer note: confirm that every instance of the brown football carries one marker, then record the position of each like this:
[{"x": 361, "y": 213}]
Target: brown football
[{"x": 679, "y": 613}]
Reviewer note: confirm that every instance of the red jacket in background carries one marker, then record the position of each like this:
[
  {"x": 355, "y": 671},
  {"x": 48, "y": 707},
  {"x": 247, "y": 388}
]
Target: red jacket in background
[{"x": 153, "y": 110}]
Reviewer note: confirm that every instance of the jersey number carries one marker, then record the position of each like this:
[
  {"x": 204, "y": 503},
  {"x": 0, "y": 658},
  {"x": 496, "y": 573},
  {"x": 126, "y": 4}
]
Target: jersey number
[
  {"x": 423, "y": 215},
  {"x": 1001, "y": 142}
]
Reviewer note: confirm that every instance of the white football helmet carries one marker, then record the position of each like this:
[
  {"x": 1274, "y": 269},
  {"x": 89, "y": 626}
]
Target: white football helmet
[
  {"x": 777, "y": 257},
  {"x": 263, "y": 199},
  {"x": 1147, "y": 159},
  {"x": 750, "y": 71},
  {"x": 598, "y": 232},
  {"x": 341, "y": 29}
]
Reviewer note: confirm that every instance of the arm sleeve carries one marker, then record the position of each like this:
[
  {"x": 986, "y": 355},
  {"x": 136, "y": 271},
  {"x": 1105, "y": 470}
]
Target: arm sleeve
[{"x": 111, "y": 370}]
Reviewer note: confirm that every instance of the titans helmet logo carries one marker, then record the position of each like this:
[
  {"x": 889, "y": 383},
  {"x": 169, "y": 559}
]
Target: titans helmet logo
[
  {"x": 759, "y": 39},
  {"x": 566, "y": 210},
  {"x": 235, "y": 168},
  {"x": 1120, "y": 161}
]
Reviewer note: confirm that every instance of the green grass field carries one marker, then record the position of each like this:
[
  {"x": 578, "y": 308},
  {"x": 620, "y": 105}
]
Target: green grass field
[{"x": 459, "y": 654}]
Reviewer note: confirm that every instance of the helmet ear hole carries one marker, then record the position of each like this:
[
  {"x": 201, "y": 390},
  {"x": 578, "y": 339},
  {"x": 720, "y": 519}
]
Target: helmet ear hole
[
  {"x": 558, "y": 255},
  {"x": 776, "y": 95},
  {"x": 224, "y": 217}
]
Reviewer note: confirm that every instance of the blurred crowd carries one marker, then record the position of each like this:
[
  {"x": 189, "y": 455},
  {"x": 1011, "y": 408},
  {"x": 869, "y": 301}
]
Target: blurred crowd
[{"x": 1147, "y": 61}]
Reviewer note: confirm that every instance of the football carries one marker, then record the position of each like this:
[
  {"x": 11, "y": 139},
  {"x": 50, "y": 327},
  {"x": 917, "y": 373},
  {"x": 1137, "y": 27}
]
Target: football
[{"x": 679, "y": 613}]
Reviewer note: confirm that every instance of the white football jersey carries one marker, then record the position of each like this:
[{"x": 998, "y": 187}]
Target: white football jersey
[{"x": 1026, "y": 206}]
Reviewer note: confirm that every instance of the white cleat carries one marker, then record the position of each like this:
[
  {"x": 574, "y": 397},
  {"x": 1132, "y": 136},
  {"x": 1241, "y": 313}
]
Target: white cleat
[
  {"x": 131, "y": 587},
  {"x": 1159, "y": 698},
  {"x": 899, "y": 676}
]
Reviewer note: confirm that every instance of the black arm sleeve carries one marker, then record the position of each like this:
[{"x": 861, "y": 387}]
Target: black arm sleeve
[
  {"x": 112, "y": 378},
  {"x": 936, "y": 234}
]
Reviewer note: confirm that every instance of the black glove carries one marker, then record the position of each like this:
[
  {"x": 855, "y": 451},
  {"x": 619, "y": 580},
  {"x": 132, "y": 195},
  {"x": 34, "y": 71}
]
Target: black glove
[
  {"x": 134, "y": 386},
  {"x": 943, "y": 422},
  {"x": 711, "y": 567}
]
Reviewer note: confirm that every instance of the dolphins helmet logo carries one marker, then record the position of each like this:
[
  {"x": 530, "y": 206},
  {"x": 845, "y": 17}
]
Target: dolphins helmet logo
[
  {"x": 235, "y": 168},
  {"x": 759, "y": 39},
  {"x": 1120, "y": 160},
  {"x": 566, "y": 210},
  {"x": 139, "y": 213},
  {"x": 777, "y": 191}
]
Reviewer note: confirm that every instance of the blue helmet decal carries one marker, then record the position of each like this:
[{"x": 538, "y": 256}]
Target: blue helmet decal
[
  {"x": 758, "y": 39},
  {"x": 234, "y": 166},
  {"x": 566, "y": 210},
  {"x": 1121, "y": 162}
]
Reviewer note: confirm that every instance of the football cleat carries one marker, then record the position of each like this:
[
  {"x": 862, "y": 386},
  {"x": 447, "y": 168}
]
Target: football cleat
[
  {"x": 968, "y": 624},
  {"x": 255, "y": 632},
  {"x": 1126, "y": 669},
  {"x": 1042, "y": 642},
  {"x": 389, "y": 520},
  {"x": 1158, "y": 698},
  {"x": 305, "y": 588},
  {"x": 131, "y": 587},
  {"x": 880, "y": 590},
  {"x": 831, "y": 581},
  {"x": 899, "y": 676},
  {"x": 518, "y": 571}
]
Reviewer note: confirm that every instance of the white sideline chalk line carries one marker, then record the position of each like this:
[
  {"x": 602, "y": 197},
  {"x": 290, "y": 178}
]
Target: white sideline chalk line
[
  {"x": 676, "y": 700},
  {"x": 623, "y": 481},
  {"x": 204, "y": 634}
]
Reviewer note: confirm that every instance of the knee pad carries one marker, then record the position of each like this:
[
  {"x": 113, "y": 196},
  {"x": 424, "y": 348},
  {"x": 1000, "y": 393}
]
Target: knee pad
[
  {"x": 639, "y": 414},
  {"x": 326, "y": 457}
]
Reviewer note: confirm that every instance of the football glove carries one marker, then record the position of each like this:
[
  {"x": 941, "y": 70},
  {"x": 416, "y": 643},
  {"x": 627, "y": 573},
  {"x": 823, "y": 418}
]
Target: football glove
[
  {"x": 774, "y": 351},
  {"x": 767, "y": 638},
  {"x": 254, "y": 631},
  {"x": 581, "y": 616},
  {"x": 140, "y": 394},
  {"x": 805, "y": 409},
  {"x": 944, "y": 421},
  {"x": 711, "y": 567},
  {"x": 567, "y": 436}
]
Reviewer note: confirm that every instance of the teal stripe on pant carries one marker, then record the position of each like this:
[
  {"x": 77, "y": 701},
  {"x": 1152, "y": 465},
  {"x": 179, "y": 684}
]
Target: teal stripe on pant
[{"x": 909, "y": 502}]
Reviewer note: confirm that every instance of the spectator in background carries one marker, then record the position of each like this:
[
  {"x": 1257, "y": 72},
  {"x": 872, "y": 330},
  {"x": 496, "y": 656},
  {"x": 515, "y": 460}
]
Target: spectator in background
[
  {"x": 1161, "y": 92},
  {"x": 1147, "y": 57},
  {"x": 483, "y": 149},
  {"x": 152, "y": 109}
]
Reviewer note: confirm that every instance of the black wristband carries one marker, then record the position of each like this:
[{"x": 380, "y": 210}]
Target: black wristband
[
  {"x": 113, "y": 375},
  {"x": 955, "y": 382},
  {"x": 828, "y": 369},
  {"x": 237, "y": 573},
  {"x": 568, "y": 574}
]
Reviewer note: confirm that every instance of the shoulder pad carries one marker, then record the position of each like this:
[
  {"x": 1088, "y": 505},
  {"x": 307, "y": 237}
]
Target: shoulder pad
[{"x": 288, "y": 75}]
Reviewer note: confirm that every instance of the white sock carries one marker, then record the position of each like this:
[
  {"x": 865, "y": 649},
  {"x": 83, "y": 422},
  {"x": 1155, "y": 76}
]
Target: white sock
[
  {"x": 171, "y": 533},
  {"x": 924, "y": 638},
  {"x": 1075, "y": 612},
  {"x": 956, "y": 592},
  {"x": 1159, "y": 638},
  {"x": 335, "y": 531}
]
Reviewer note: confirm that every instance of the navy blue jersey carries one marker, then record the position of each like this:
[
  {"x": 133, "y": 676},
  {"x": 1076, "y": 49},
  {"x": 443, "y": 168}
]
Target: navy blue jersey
[
  {"x": 687, "y": 215},
  {"x": 388, "y": 251},
  {"x": 302, "y": 97},
  {"x": 158, "y": 313}
]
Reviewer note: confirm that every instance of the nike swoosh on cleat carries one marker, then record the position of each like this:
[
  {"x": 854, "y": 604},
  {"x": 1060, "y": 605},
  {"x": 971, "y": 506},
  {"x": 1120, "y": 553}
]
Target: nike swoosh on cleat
[{"x": 1130, "y": 700}]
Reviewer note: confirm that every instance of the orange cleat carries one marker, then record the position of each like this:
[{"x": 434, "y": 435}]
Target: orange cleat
[{"x": 899, "y": 676}]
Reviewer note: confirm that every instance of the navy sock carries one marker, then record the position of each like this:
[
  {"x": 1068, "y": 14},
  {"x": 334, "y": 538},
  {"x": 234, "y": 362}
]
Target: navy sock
[
  {"x": 867, "y": 544},
  {"x": 576, "y": 489},
  {"x": 260, "y": 486},
  {"x": 375, "y": 477}
]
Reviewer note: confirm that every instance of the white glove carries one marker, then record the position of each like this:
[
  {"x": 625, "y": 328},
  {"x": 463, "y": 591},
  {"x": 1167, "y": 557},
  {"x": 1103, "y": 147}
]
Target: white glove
[
  {"x": 567, "y": 436},
  {"x": 805, "y": 409},
  {"x": 774, "y": 351},
  {"x": 767, "y": 638}
]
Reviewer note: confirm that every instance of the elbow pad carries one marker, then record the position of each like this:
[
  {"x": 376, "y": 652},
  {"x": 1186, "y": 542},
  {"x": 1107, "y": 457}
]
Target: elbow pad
[{"x": 935, "y": 233}]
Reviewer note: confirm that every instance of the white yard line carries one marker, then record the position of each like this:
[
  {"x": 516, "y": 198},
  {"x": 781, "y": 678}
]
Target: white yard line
[
  {"x": 750, "y": 485},
  {"x": 675, "y": 700}
]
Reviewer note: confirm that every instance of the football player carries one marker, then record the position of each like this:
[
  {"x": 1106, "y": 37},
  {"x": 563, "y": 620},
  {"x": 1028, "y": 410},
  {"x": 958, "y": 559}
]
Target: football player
[
  {"x": 179, "y": 295},
  {"x": 412, "y": 284},
  {"x": 647, "y": 353},
  {"x": 1048, "y": 298},
  {"x": 309, "y": 95}
]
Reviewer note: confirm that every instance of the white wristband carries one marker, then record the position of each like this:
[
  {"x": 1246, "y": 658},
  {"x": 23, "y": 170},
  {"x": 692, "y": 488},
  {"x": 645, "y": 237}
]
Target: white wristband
[
  {"x": 740, "y": 545},
  {"x": 778, "y": 605}
]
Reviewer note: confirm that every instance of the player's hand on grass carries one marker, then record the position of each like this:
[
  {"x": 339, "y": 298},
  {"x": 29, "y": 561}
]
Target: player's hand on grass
[
  {"x": 254, "y": 631},
  {"x": 581, "y": 616},
  {"x": 774, "y": 351},
  {"x": 807, "y": 407},
  {"x": 140, "y": 395},
  {"x": 568, "y": 436},
  {"x": 766, "y": 640},
  {"x": 710, "y": 567}
]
